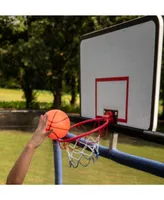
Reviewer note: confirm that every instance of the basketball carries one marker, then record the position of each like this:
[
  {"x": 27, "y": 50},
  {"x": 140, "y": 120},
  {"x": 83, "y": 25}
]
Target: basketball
[{"x": 59, "y": 122}]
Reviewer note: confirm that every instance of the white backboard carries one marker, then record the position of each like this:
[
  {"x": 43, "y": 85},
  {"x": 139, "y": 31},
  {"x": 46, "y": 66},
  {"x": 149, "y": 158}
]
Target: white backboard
[{"x": 120, "y": 70}]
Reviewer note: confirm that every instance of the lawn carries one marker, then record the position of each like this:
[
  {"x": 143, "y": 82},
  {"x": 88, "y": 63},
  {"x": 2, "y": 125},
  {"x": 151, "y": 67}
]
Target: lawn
[
  {"x": 104, "y": 171},
  {"x": 12, "y": 144},
  {"x": 42, "y": 96},
  {"x": 17, "y": 95}
]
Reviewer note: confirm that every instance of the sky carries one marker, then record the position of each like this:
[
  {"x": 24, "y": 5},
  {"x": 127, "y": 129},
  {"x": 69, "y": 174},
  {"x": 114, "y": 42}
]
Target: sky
[{"x": 84, "y": 7}]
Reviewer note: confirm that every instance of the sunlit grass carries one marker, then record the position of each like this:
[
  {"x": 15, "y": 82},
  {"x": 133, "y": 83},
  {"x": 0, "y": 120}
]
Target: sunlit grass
[
  {"x": 160, "y": 108},
  {"x": 41, "y": 96},
  {"x": 104, "y": 171},
  {"x": 12, "y": 144},
  {"x": 11, "y": 95}
]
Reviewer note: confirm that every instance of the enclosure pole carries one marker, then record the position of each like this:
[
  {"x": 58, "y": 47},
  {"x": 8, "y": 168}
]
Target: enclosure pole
[
  {"x": 57, "y": 162},
  {"x": 113, "y": 140}
]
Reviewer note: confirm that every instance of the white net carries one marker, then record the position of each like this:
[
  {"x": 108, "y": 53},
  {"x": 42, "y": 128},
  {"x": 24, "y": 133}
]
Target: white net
[
  {"x": 82, "y": 142},
  {"x": 83, "y": 151}
]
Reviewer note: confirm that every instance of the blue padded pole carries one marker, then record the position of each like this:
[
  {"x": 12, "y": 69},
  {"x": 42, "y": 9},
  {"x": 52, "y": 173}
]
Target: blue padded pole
[
  {"x": 136, "y": 162},
  {"x": 57, "y": 162}
]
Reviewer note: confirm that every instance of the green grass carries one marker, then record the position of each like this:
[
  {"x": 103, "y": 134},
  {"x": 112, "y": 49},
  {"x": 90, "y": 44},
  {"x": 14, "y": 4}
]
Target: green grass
[
  {"x": 104, "y": 171},
  {"x": 17, "y": 95},
  {"x": 42, "y": 96},
  {"x": 160, "y": 108},
  {"x": 12, "y": 144},
  {"x": 11, "y": 95}
]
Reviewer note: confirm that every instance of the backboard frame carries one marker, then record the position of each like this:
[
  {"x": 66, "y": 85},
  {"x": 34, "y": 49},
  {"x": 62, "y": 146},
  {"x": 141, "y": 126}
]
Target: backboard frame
[{"x": 157, "y": 59}]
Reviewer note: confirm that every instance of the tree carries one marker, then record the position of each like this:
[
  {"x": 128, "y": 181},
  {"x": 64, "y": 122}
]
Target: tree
[
  {"x": 44, "y": 52},
  {"x": 25, "y": 56},
  {"x": 60, "y": 36}
]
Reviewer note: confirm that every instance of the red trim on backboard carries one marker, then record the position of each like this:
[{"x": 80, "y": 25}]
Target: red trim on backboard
[{"x": 125, "y": 78}]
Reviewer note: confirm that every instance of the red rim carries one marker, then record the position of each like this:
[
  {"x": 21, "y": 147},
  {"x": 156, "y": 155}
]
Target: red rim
[{"x": 106, "y": 119}]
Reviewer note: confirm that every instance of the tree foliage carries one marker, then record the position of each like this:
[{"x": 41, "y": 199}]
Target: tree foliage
[{"x": 43, "y": 52}]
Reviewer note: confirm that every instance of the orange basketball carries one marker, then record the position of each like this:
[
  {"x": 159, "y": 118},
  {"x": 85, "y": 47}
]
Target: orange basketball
[{"x": 59, "y": 122}]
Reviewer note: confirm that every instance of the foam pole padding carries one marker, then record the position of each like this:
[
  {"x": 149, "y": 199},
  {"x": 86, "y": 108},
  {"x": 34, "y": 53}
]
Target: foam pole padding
[
  {"x": 140, "y": 163},
  {"x": 57, "y": 162}
]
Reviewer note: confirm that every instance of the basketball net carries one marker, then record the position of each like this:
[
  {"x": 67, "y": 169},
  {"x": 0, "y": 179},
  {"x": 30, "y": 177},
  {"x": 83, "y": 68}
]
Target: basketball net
[{"x": 83, "y": 147}]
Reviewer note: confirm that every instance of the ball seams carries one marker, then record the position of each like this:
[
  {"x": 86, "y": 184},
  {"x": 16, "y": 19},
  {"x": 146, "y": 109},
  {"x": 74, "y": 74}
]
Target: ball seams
[
  {"x": 59, "y": 128},
  {"x": 52, "y": 120},
  {"x": 57, "y": 121}
]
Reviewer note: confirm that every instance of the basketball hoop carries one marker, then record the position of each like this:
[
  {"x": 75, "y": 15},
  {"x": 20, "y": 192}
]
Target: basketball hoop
[{"x": 84, "y": 146}]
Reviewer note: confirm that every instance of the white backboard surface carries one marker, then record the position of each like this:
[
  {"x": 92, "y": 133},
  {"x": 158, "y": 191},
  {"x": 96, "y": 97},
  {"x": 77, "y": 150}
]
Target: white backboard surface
[{"x": 120, "y": 70}]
